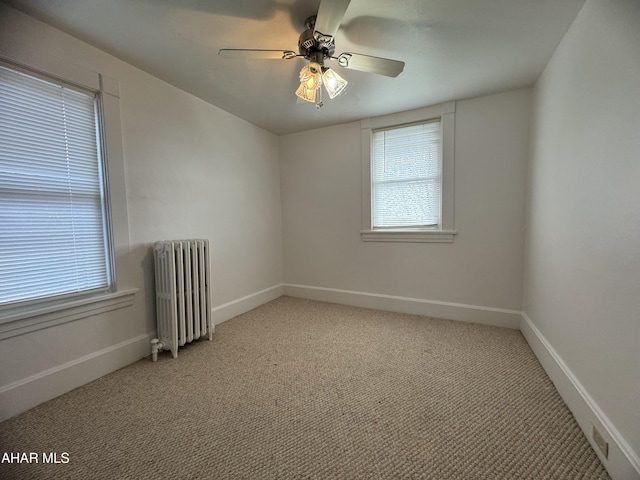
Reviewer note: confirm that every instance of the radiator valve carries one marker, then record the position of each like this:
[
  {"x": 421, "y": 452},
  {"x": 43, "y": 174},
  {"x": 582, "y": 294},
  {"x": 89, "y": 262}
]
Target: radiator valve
[{"x": 156, "y": 346}]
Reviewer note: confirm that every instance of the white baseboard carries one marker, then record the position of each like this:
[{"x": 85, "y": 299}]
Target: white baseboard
[
  {"x": 222, "y": 313},
  {"x": 20, "y": 396},
  {"x": 623, "y": 463},
  {"x": 453, "y": 311}
]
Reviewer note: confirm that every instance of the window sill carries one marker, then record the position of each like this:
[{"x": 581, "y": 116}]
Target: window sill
[
  {"x": 408, "y": 236},
  {"x": 21, "y": 322}
]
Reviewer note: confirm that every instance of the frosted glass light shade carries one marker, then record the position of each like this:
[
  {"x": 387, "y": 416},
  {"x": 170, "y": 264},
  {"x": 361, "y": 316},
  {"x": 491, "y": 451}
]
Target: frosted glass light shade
[
  {"x": 333, "y": 82},
  {"x": 306, "y": 94},
  {"x": 310, "y": 82}
]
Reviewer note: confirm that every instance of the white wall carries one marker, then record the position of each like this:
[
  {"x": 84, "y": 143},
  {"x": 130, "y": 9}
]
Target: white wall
[
  {"x": 582, "y": 274},
  {"x": 321, "y": 178},
  {"x": 192, "y": 170}
]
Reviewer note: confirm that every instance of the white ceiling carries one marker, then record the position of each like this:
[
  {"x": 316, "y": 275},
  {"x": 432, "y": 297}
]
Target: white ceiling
[{"x": 453, "y": 49}]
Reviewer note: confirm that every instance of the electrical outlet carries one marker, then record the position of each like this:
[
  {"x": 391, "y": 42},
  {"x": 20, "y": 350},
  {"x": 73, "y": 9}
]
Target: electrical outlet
[{"x": 602, "y": 444}]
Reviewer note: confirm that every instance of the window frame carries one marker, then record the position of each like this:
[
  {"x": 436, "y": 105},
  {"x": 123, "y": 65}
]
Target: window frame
[
  {"x": 442, "y": 233},
  {"x": 30, "y": 315}
]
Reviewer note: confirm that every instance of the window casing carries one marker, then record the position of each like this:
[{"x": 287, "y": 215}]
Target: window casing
[
  {"x": 24, "y": 317},
  {"x": 407, "y": 181}
]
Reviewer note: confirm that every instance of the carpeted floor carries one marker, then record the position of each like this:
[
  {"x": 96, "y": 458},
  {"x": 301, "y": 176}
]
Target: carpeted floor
[{"x": 300, "y": 389}]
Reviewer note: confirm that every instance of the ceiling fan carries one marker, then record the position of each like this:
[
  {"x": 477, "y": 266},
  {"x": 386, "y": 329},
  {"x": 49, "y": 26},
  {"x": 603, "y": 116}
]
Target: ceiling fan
[{"x": 317, "y": 44}]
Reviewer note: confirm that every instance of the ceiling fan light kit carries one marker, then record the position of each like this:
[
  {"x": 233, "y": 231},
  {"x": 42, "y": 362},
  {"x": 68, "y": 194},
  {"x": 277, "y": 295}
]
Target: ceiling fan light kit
[
  {"x": 312, "y": 77},
  {"x": 317, "y": 44}
]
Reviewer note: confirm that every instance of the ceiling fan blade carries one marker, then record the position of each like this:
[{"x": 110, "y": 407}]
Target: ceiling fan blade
[
  {"x": 329, "y": 18},
  {"x": 247, "y": 53},
  {"x": 367, "y": 63}
]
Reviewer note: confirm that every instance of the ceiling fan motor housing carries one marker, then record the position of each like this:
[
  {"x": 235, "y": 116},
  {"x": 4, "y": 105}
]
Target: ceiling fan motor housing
[{"x": 309, "y": 46}]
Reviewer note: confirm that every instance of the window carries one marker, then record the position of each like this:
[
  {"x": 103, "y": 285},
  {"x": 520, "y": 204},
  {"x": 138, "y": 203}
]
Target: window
[
  {"x": 408, "y": 176},
  {"x": 55, "y": 238}
]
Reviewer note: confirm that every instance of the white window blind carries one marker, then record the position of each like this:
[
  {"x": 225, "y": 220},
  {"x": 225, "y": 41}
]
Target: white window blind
[
  {"x": 406, "y": 176},
  {"x": 53, "y": 222}
]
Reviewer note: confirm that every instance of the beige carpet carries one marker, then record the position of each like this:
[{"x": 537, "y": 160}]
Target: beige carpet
[{"x": 299, "y": 389}]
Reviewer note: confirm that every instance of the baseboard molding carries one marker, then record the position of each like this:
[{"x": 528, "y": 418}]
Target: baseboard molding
[
  {"x": 20, "y": 396},
  {"x": 623, "y": 463},
  {"x": 498, "y": 317},
  {"x": 224, "y": 312}
]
